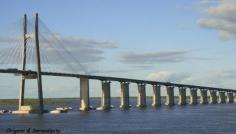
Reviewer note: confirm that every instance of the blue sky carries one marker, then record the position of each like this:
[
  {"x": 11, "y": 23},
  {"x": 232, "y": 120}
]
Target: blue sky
[{"x": 184, "y": 41}]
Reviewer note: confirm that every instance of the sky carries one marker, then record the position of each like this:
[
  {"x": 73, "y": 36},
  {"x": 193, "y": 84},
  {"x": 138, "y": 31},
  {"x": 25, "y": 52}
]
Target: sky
[{"x": 187, "y": 41}]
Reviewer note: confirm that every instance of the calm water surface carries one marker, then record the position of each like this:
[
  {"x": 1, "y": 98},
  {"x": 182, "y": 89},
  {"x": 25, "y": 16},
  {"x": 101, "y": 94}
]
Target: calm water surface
[{"x": 218, "y": 118}]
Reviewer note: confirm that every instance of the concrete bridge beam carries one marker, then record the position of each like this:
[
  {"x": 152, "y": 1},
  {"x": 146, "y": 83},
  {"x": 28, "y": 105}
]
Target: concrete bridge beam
[
  {"x": 84, "y": 94},
  {"x": 124, "y": 98},
  {"x": 222, "y": 97},
  {"x": 193, "y": 96},
  {"x": 106, "y": 96},
  {"x": 141, "y": 98},
  {"x": 182, "y": 96},
  {"x": 203, "y": 97},
  {"x": 169, "y": 96},
  {"x": 156, "y": 101},
  {"x": 230, "y": 97},
  {"x": 213, "y": 97}
]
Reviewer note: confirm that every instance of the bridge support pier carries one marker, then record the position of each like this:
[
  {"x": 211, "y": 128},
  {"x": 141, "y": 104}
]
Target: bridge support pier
[
  {"x": 234, "y": 97},
  {"x": 221, "y": 97},
  {"x": 84, "y": 94},
  {"x": 213, "y": 97},
  {"x": 203, "y": 97},
  {"x": 182, "y": 96},
  {"x": 124, "y": 99},
  {"x": 141, "y": 98},
  {"x": 156, "y": 100},
  {"x": 106, "y": 96},
  {"x": 169, "y": 96},
  {"x": 193, "y": 96},
  {"x": 230, "y": 97}
]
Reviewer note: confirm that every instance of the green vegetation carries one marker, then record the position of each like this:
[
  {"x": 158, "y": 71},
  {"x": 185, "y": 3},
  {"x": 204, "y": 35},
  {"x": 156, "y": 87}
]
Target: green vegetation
[
  {"x": 47, "y": 101},
  {"x": 61, "y": 101}
]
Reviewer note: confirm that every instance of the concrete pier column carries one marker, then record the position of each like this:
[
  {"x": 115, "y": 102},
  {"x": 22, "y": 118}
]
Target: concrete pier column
[
  {"x": 234, "y": 97},
  {"x": 203, "y": 97},
  {"x": 230, "y": 97},
  {"x": 182, "y": 96},
  {"x": 124, "y": 98},
  {"x": 106, "y": 96},
  {"x": 141, "y": 98},
  {"x": 193, "y": 96},
  {"x": 84, "y": 94},
  {"x": 169, "y": 96},
  {"x": 213, "y": 97},
  {"x": 156, "y": 102},
  {"x": 221, "y": 97}
]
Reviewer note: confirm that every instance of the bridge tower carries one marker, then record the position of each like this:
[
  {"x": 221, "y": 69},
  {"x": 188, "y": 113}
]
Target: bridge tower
[{"x": 24, "y": 77}]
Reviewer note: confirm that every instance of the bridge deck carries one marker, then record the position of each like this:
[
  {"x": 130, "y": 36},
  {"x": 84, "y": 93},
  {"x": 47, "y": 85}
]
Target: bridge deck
[{"x": 12, "y": 71}]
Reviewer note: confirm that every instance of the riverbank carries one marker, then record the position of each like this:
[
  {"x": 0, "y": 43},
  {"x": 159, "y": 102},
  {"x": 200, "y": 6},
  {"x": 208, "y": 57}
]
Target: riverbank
[{"x": 48, "y": 101}]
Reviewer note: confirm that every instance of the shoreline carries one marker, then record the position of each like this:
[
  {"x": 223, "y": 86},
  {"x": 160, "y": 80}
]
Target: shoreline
[{"x": 48, "y": 101}]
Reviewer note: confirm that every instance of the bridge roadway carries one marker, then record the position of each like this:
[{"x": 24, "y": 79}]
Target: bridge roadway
[{"x": 107, "y": 78}]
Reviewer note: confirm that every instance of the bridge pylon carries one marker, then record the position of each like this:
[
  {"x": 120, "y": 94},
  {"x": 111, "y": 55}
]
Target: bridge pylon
[{"x": 37, "y": 76}]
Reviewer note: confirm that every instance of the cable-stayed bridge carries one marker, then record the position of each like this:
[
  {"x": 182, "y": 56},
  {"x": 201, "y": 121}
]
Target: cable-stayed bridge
[{"x": 40, "y": 52}]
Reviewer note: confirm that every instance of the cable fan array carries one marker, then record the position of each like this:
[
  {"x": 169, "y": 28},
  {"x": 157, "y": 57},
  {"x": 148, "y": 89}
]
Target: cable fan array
[{"x": 54, "y": 53}]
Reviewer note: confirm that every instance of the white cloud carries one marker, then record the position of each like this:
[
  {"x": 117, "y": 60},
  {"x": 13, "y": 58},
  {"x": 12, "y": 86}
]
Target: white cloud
[
  {"x": 225, "y": 9},
  {"x": 4, "y": 39},
  {"x": 212, "y": 78},
  {"x": 221, "y": 17},
  {"x": 84, "y": 50},
  {"x": 57, "y": 52},
  {"x": 78, "y": 54},
  {"x": 207, "y": 2},
  {"x": 153, "y": 57},
  {"x": 146, "y": 60},
  {"x": 167, "y": 76}
]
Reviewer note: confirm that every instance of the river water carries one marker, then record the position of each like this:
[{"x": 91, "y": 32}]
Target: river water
[{"x": 217, "y": 118}]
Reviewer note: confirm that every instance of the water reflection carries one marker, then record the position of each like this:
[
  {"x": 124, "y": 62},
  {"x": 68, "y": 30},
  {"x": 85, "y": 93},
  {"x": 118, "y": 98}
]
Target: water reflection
[{"x": 220, "y": 118}]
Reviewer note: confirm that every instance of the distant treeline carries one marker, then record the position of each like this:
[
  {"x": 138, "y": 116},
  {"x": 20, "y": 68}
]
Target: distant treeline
[{"x": 48, "y": 101}]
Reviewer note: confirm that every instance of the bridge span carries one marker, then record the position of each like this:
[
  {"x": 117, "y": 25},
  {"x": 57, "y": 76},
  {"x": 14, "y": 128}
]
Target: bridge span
[
  {"x": 108, "y": 78},
  {"x": 225, "y": 95}
]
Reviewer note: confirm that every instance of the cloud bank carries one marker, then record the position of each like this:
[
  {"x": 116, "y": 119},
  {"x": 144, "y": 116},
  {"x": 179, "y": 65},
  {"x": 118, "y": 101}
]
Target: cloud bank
[
  {"x": 221, "y": 17},
  {"x": 213, "y": 78},
  {"x": 59, "y": 52},
  {"x": 146, "y": 60},
  {"x": 85, "y": 50},
  {"x": 153, "y": 57},
  {"x": 167, "y": 76}
]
